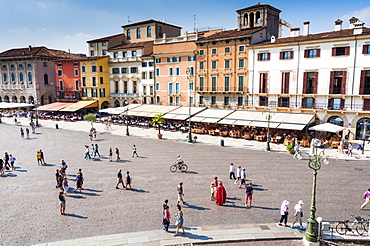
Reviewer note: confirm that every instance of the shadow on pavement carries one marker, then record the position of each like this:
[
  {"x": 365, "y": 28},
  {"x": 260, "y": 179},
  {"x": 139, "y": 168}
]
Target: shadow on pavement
[
  {"x": 265, "y": 208},
  {"x": 139, "y": 190},
  {"x": 191, "y": 172},
  {"x": 18, "y": 169},
  {"x": 193, "y": 236},
  {"x": 98, "y": 139},
  {"x": 48, "y": 165},
  {"x": 77, "y": 216},
  {"x": 93, "y": 190},
  {"x": 76, "y": 196},
  {"x": 12, "y": 175},
  {"x": 90, "y": 194},
  {"x": 196, "y": 207}
]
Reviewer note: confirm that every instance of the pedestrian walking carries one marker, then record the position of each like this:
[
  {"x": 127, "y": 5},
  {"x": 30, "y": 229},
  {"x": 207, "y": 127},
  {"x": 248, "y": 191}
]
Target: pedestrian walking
[
  {"x": 82, "y": 177},
  {"x": 284, "y": 212},
  {"x": 180, "y": 194},
  {"x": 298, "y": 213},
  {"x": 128, "y": 180},
  {"x": 22, "y": 132},
  {"x": 110, "y": 154},
  {"x": 220, "y": 194},
  {"x": 96, "y": 150},
  {"x": 2, "y": 167},
  {"x": 65, "y": 185},
  {"x": 166, "y": 218},
  {"x": 297, "y": 151},
  {"x": 249, "y": 195},
  {"x": 243, "y": 178},
  {"x": 6, "y": 161},
  {"x": 120, "y": 179},
  {"x": 42, "y": 157},
  {"x": 94, "y": 133},
  {"x": 92, "y": 149},
  {"x": 213, "y": 191},
  {"x": 28, "y": 133},
  {"x": 232, "y": 171},
  {"x": 12, "y": 159},
  {"x": 87, "y": 153},
  {"x": 134, "y": 151},
  {"x": 78, "y": 183},
  {"x": 350, "y": 148},
  {"x": 179, "y": 221},
  {"x": 238, "y": 175},
  {"x": 366, "y": 197},
  {"x": 91, "y": 135},
  {"x": 117, "y": 154},
  {"x": 33, "y": 128},
  {"x": 62, "y": 203},
  {"x": 38, "y": 156},
  {"x": 58, "y": 179}
]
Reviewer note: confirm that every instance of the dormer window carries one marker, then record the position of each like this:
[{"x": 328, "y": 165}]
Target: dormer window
[
  {"x": 138, "y": 33},
  {"x": 128, "y": 34}
]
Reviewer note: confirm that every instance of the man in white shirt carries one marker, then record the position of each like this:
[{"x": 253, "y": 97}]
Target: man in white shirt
[
  {"x": 243, "y": 178},
  {"x": 179, "y": 160},
  {"x": 298, "y": 213},
  {"x": 238, "y": 174},
  {"x": 232, "y": 171}
]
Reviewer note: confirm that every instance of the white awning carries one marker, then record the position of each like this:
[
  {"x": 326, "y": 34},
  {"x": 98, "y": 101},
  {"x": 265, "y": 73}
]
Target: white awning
[
  {"x": 150, "y": 110},
  {"x": 227, "y": 121},
  {"x": 291, "y": 126},
  {"x": 15, "y": 105},
  {"x": 182, "y": 113},
  {"x": 242, "y": 122},
  {"x": 211, "y": 115},
  {"x": 327, "y": 127}
]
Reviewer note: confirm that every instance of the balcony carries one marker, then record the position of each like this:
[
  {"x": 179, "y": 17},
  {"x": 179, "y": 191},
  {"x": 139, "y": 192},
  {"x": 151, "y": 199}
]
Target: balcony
[
  {"x": 65, "y": 88},
  {"x": 13, "y": 86},
  {"x": 125, "y": 59},
  {"x": 221, "y": 89},
  {"x": 125, "y": 95}
]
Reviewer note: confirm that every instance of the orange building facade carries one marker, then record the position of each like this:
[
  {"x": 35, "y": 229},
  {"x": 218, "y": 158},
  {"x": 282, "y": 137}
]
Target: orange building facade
[{"x": 68, "y": 84}]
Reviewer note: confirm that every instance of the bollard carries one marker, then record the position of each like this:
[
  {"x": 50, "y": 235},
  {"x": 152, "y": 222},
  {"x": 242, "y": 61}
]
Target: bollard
[
  {"x": 222, "y": 143},
  {"x": 195, "y": 138},
  {"x": 56, "y": 126}
]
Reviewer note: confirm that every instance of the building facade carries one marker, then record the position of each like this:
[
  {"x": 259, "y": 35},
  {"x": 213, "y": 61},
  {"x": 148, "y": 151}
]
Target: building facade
[
  {"x": 100, "y": 46},
  {"x": 68, "y": 80}
]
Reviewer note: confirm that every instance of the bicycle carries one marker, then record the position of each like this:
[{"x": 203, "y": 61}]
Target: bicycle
[
  {"x": 366, "y": 222},
  {"x": 183, "y": 167},
  {"x": 343, "y": 227}
]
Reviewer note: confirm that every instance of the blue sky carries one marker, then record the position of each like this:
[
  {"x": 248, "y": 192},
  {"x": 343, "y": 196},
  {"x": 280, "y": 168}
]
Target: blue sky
[{"x": 68, "y": 24}]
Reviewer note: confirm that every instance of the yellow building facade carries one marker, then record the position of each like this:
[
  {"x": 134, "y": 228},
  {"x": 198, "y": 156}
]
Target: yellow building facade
[{"x": 95, "y": 80}]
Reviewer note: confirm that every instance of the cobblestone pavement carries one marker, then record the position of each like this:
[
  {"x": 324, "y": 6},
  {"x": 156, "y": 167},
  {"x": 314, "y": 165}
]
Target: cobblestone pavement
[{"x": 29, "y": 199}]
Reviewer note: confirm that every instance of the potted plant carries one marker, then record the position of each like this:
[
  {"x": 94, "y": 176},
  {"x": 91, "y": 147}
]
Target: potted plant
[
  {"x": 290, "y": 147},
  {"x": 158, "y": 120}
]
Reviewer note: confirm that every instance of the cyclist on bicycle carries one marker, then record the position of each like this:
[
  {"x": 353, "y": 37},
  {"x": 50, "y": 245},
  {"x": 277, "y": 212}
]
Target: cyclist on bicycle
[{"x": 179, "y": 161}]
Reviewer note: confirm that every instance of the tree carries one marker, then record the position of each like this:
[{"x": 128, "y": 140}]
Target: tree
[
  {"x": 158, "y": 120},
  {"x": 90, "y": 118}
]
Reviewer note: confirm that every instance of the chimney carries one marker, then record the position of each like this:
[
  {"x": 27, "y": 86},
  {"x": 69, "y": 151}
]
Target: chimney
[
  {"x": 338, "y": 25},
  {"x": 352, "y": 22},
  {"x": 29, "y": 47},
  {"x": 358, "y": 27},
  {"x": 273, "y": 39},
  {"x": 306, "y": 28},
  {"x": 295, "y": 32}
]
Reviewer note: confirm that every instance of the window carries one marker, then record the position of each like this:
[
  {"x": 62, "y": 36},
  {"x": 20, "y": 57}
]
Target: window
[
  {"x": 214, "y": 83},
  {"x": 102, "y": 92},
  {"x": 144, "y": 64},
  {"x": 213, "y": 100},
  {"x": 227, "y": 49},
  {"x": 170, "y": 71},
  {"x": 151, "y": 64},
  {"x": 226, "y": 100},
  {"x": 340, "y": 51},
  {"x": 201, "y": 65},
  {"x": 4, "y": 67},
  {"x": 115, "y": 70},
  {"x": 285, "y": 83},
  {"x": 174, "y": 59},
  {"x": 143, "y": 75},
  {"x": 337, "y": 82},
  {"x": 44, "y": 64},
  {"x": 240, "y": 101},
  {"x": 5, "y": 77},
  {"x": 116, "y": 87},
  {"x": 134, "y": 53},
  {"x": 168, "y": 59},
  {"x": 191, "y": 58},
  {"x": 157, "y": 72},
  {"x": 201, "y": 52},
  {"x": 29, "y": 66},
  {"x": 308, "y": 102},
  {"x": 138, "y": 33},
  {"x": 240, "y": 83},
  {"x": 128, "y": 34},
  {"x": 101, "y": 69},
  {"x": 227, "y": 83},
  {"x": 92, "y": 53},
  {"x": 201, "y": 83},
  {"x": 46, "y": 79},
  {"x": 201, "y": 99},
  {"x": 125, "y": 90},
  {"x": 263, "y": 83},
  {"x": 263, "y": 56},
  {"x": 170, "y": 88},
  {"x": 84, "y": 93},
  {"x": 104, "y": 44},
  {"x": 227, "y": 63},
  {"x": 144, "y": 90},
  {"x": 310, "y": 82},
  {"x": 365, "y": 82},
  {"x": 149, "y": 31},
  {"x": 76, "y": 72},
  {"x": 93, "y": 81},
  {"x": 311, "y": 53},
  {"x": 263, "y": 101},
  {"x": 21, "y": 78},
  {"x": 115, "y": 55},
  {"x": 336, "y": 103},
  {"x": 366, "y": 49},
  {"x": 83, "y": 81},
  {"x": 30, "y": 77},
  {"x": 94, "y": 93},
  {"x": 191, "y": 86},
  {"x": 286, "y": 55},
  {"x": 283, "y": 102},
  {"x": 157, "y": 60},
  {"x": 60, "y": 72},
  {"x": 12, "y": 77},
  {"x": 20, "y": 66},
  {"x": 157, "y": 86},
  {"x": 104, "y": 52},
  {"x": 241, "y": 48},
  {"x": 124, "y": 70},
  {"x": 133, "y": 70},
  {"x": 124, "y": 54},
  {"x": 101, "y": 80},
  {"x": 75, "y": 64},
  {"x": 191, "y": 70},
  {"x": 177, "y": 88},
  {"x": 93, "y": 69},
  {"x": 177, "y": 71},
  {"x": 160, "y": 33},
  {"x": 214, "y": 51},
  {"x": 214, "y": 64},
  {"x": 151, "y": 75},
  {"x": 12, "y": 67},
  {"x": 92, "y": 45},
  {"x": 60, "y": 65},
  {"x": 83, "y": 68},
  {"x": 241, "y": 63},
  {"x": 61, "y": 85}
]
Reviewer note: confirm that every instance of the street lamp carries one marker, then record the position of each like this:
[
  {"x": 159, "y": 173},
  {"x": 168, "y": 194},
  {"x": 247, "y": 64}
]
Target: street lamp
[
  {"x": 190, "y": 77},
  {"x": 315, "y": 164},
  {"x": 268, "y": 117},
  {"x": 127, "y": 132},
  {"x": 37, "y": 117}
]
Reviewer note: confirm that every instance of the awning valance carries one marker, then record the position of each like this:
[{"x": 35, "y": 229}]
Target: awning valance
[{"x": 80, "y": 105}]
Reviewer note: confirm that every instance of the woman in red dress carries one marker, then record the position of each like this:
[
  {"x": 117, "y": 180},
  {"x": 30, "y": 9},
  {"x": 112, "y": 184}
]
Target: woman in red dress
[{"x": 220, "y": 194}]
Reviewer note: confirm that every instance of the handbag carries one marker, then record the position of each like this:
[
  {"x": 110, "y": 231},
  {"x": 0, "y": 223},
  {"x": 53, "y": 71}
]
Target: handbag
[{"x": 165, "y": 222}]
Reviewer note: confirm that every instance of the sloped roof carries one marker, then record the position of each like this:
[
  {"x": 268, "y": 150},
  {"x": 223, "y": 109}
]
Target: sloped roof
[
  {"x": 131, "y": 45},
  {"x": 149, "y": 21},
  {"x": 230, "y": 34},
  {"x": 105, "y": 38},
  {"x": 317, "y": 36},
  {"x": 259, "y": 6},
  {"x": 40, "y": 51}
]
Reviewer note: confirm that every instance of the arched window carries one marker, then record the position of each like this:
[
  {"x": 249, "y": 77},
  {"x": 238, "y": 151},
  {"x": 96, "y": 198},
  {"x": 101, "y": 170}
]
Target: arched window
[
  {"x": 21, "y": 77},
  {"x": 160, "y": 33},
  {"x": 46, "y": 79},
  {"x": 5, "y": 77},
  {"x": 30, "y": 77},
  {"x": 12, "y": 77},
  {"x": 258, "y": 17},
  {"x": 6, "y": 99},
  {"x": 138, "y": 33},
  {"x": 245, "y": 19},
  {"x": 128, "y": 34},
  {"x": 251, "y": 19},
  {"x": 362, "y": 128},
  {"x": 149, "y": 31},
  {"x": 116, "y": 103}
]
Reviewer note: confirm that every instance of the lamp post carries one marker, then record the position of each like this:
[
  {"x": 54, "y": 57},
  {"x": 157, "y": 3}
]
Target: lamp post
[
  {"x": 37, "y": 116},
  {"x": 315, "y": 164},
  {"x": 127, "y": 132},
  {"x": 268, "y": 117},
  {"x": 190, "y": 77},
  {"x": 364, "y": 136}
]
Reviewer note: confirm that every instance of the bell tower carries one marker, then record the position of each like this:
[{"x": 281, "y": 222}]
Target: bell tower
[{"x": 260, "y": 15}]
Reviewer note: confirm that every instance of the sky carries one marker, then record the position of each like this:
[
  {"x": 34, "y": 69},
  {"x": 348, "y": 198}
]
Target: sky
[{"x": 68, "y": 24}]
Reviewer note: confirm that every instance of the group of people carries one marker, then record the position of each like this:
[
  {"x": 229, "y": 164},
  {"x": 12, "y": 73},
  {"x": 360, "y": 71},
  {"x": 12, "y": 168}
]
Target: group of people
[
  {"x": 40, "y": 158},
  {"x": 128, "y": 180},
  {"x": 297, "y": 216},
  {"x": 218, "y": 192},
  {"x": 238, "y": 174},
  {"x": 94, "y": 151},
  {"x": 7, "y": 163},
  {"x": 167, "y": 217},
  {"x": 92, "y": 133}
]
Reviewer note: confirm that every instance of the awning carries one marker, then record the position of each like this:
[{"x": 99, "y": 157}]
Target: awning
[
  {"x": 182, "y": 113},
  {"x": 211, "y": 115},
  {"x": 15, "y": 105},
  {"x": 327, "y": 127},
  {"x": 150, "y": 110},
  {"x": 296, "y": 121},
  {"x": 80, "y": 105},
  {"x": 119, "y": 110},
  {"x": 53, "y": 106}
]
